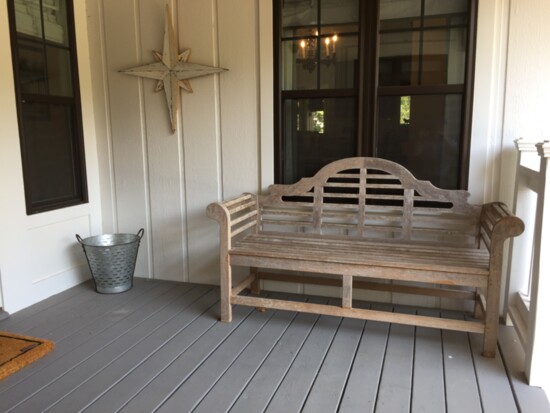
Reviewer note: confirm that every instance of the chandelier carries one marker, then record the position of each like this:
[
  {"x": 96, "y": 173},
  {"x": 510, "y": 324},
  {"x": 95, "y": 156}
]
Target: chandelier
[{"x": 309, "y": 54}]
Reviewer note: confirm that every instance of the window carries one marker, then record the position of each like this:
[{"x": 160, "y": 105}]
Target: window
[
  {"x": 385, "y": 78},
  {"x": 48, "y": 103}
]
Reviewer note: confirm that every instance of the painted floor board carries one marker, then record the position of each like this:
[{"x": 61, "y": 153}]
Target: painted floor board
[
  {"x": 428, "y": 379},
  {"x": 92, "y": 355},
  {"x": 80, "y": 339},
  {"x": 267, "y": 379},
  {"x": 363, "y": 383},
  {"x": 196, "y": 301},
  {"x": 326, "y": 392},
  {"x": 461, "y": 387},
  {"x": 494, "y": 387},
  {"x": 292, "y": 393},
  {"x": 394, "y": 394},
  {"x": 528, "y": 398},
  {"x": 160, "y": 347},
  {"x": 225, "y": 391},
  {"x": 159, "y": 390},
  {"x": 130, "y": 385}
]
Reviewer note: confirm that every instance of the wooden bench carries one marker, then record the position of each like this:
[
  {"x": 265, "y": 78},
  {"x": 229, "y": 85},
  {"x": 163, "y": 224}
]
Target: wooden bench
[{"x": 360, "y": 223}]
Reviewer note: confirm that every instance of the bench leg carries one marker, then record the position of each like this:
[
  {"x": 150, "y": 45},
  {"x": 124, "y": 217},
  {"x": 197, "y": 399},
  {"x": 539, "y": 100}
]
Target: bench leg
[
  {"x": 490, "y": 335},
  {"x": 225, "y": 291},
  {"x": 347, "y": 287},
  {"x": 479, "y": 312},
  {"x": 255, "y": 286}
]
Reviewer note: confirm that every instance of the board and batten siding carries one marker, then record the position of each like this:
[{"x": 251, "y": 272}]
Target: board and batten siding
[
  {"x": 223, "y": 146},
  {"x": 163, "y": 181}
]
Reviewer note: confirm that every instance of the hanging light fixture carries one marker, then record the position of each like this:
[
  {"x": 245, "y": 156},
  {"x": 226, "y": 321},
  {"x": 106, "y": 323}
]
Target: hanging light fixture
[{"x": 308, "y": 55}]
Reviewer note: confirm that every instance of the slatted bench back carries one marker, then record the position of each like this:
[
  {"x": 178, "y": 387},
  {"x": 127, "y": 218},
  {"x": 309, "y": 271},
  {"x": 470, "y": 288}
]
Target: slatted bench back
[{"x": 370, "y": 198}]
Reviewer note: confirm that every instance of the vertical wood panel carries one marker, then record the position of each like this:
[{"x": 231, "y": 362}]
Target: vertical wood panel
[
  {"x": 167, "y": 212},
  {"x": 197, "y": 31},
  {"x": 238, "y": 39},
  {"x": 126, "y": 103},
  {"x": 164, "y": 181}
]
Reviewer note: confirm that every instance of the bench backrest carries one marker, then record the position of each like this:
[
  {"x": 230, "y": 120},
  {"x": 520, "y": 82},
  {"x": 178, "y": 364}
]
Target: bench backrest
[{"x": 370, "y": 198}]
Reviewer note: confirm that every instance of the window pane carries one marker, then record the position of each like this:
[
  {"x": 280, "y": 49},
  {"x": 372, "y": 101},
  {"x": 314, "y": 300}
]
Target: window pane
[
  {"x": 339, "y": 62},
  {"x": 55, "y": 21},
  {"x": 444, "y": 56},
  {"x": 300, "y": 64},
  {"x": 341, "y": 15},
  {"x": 296, "y": 14},
  {"x": 399, "y": 14},
  {"x": 32, "y": 67},
  {"x": 27, "y": 18},
  {"x": 443, "y": 59},
  {"x": 51, "y": 162},
  {"x": 445, "y": 7},
  {"x": 423, "y": 133},
  {"x": 317, "y": 132},
  {"x": 59, "y": 71},
  {"x": 399, "y": 59}
]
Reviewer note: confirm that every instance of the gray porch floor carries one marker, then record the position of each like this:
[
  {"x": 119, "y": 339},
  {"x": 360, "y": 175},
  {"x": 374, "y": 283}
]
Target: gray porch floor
[{"x": 159, "y": 347}]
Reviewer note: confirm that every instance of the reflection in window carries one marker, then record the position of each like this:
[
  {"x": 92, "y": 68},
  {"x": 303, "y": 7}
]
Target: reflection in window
[
  {"x": 45, "y": 73},
  {"x": 405, "y": 110}
]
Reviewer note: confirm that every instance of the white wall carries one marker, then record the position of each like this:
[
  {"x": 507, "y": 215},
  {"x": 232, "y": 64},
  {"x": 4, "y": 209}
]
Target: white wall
[
  {"x": 39, "y": 255},
  {"x": 527, "y": 115},
  {"x": 161, "y": 181}
]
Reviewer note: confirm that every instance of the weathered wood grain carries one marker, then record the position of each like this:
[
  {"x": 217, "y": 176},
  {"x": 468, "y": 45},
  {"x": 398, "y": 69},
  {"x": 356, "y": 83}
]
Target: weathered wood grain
[{"x": 363, "y": 218}]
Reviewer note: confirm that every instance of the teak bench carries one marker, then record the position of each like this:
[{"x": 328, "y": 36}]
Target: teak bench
[{"x": 368, "y": 218}]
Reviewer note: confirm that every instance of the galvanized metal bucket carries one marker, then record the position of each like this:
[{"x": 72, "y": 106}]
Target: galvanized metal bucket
[{"x": 112, "y": 260}]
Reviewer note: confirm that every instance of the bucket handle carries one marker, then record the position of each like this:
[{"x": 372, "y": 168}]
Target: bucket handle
[{"x": 139, "y": 234}]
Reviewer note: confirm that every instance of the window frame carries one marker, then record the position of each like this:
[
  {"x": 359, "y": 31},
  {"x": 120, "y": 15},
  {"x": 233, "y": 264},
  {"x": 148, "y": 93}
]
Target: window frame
[
  {"x": 368, "y": 91},
  {"x": 73, "y": 103}
]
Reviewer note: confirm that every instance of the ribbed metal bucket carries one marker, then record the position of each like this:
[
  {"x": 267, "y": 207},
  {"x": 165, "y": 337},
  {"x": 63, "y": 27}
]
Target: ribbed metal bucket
[{"x": 112, "y": 260}]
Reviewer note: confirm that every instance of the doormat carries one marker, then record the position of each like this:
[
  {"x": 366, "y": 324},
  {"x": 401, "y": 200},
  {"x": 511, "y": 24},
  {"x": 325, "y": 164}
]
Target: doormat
[{"x": 17, "y": 351}]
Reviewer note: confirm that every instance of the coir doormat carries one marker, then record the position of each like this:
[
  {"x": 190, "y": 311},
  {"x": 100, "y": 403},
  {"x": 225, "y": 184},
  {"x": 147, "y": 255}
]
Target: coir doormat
[{"x": 17, "y": 351}]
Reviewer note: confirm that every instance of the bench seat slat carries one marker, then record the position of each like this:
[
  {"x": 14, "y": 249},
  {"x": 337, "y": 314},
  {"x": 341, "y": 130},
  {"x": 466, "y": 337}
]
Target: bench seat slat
[{"x": 469, "y": 262}]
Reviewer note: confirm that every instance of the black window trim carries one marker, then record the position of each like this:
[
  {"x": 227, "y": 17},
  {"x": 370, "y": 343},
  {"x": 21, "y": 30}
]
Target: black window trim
[
  {"x": 75, "y": 102},
  {"x": 368, "y": 90}
]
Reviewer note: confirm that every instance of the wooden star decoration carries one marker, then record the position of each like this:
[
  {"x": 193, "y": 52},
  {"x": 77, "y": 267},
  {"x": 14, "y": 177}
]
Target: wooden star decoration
[{"x": 172, "y": 70}]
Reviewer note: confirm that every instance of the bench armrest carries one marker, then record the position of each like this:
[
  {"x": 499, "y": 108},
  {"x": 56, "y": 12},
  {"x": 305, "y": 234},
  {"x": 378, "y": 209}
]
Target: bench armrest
[
  {"x": 234, "y": 216},
  {"x": 498, "y": 223}
]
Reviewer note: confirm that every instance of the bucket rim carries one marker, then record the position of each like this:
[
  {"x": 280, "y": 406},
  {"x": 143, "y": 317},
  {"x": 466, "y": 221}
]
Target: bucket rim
[{"x": 88, "y": 240}]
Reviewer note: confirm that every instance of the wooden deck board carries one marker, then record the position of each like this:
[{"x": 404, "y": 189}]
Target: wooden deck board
[
  {"x": 394, "y": 393},
  {"x": 129, "y": 386},
  {"x": 103, "y": 329},
  {"x": 462, "y": 391},
  {"x": 60, "y": 386},
  {"x": 160, "y": 347},
  {"x": 183, "y": 395},
  {"x": 198, "y": 301},
  {"x": 226, "y": 390},
  {"x": 259, "y": 391},
  {"x": 364, "y": 380},
  {"x": 292, "y": 393},
  {"x": 327, "y": 390},
  {"x": 428, "y": 379},
  {"x": 494, "y": 388}
]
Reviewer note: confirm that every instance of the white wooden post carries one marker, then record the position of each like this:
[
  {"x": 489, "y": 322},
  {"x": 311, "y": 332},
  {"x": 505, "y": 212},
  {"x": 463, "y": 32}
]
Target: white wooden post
[
  {"x": 521, "y": 250},
  {"x": 537, "y": 357}
]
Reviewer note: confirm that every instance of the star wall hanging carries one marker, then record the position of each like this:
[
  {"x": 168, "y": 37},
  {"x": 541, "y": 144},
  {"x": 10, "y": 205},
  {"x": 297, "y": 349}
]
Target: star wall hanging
[{"x": 172, "y": 70}]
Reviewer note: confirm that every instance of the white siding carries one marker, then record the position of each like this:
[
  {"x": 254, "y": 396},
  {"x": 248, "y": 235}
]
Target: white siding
[{"x": 39, "y": 255}]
